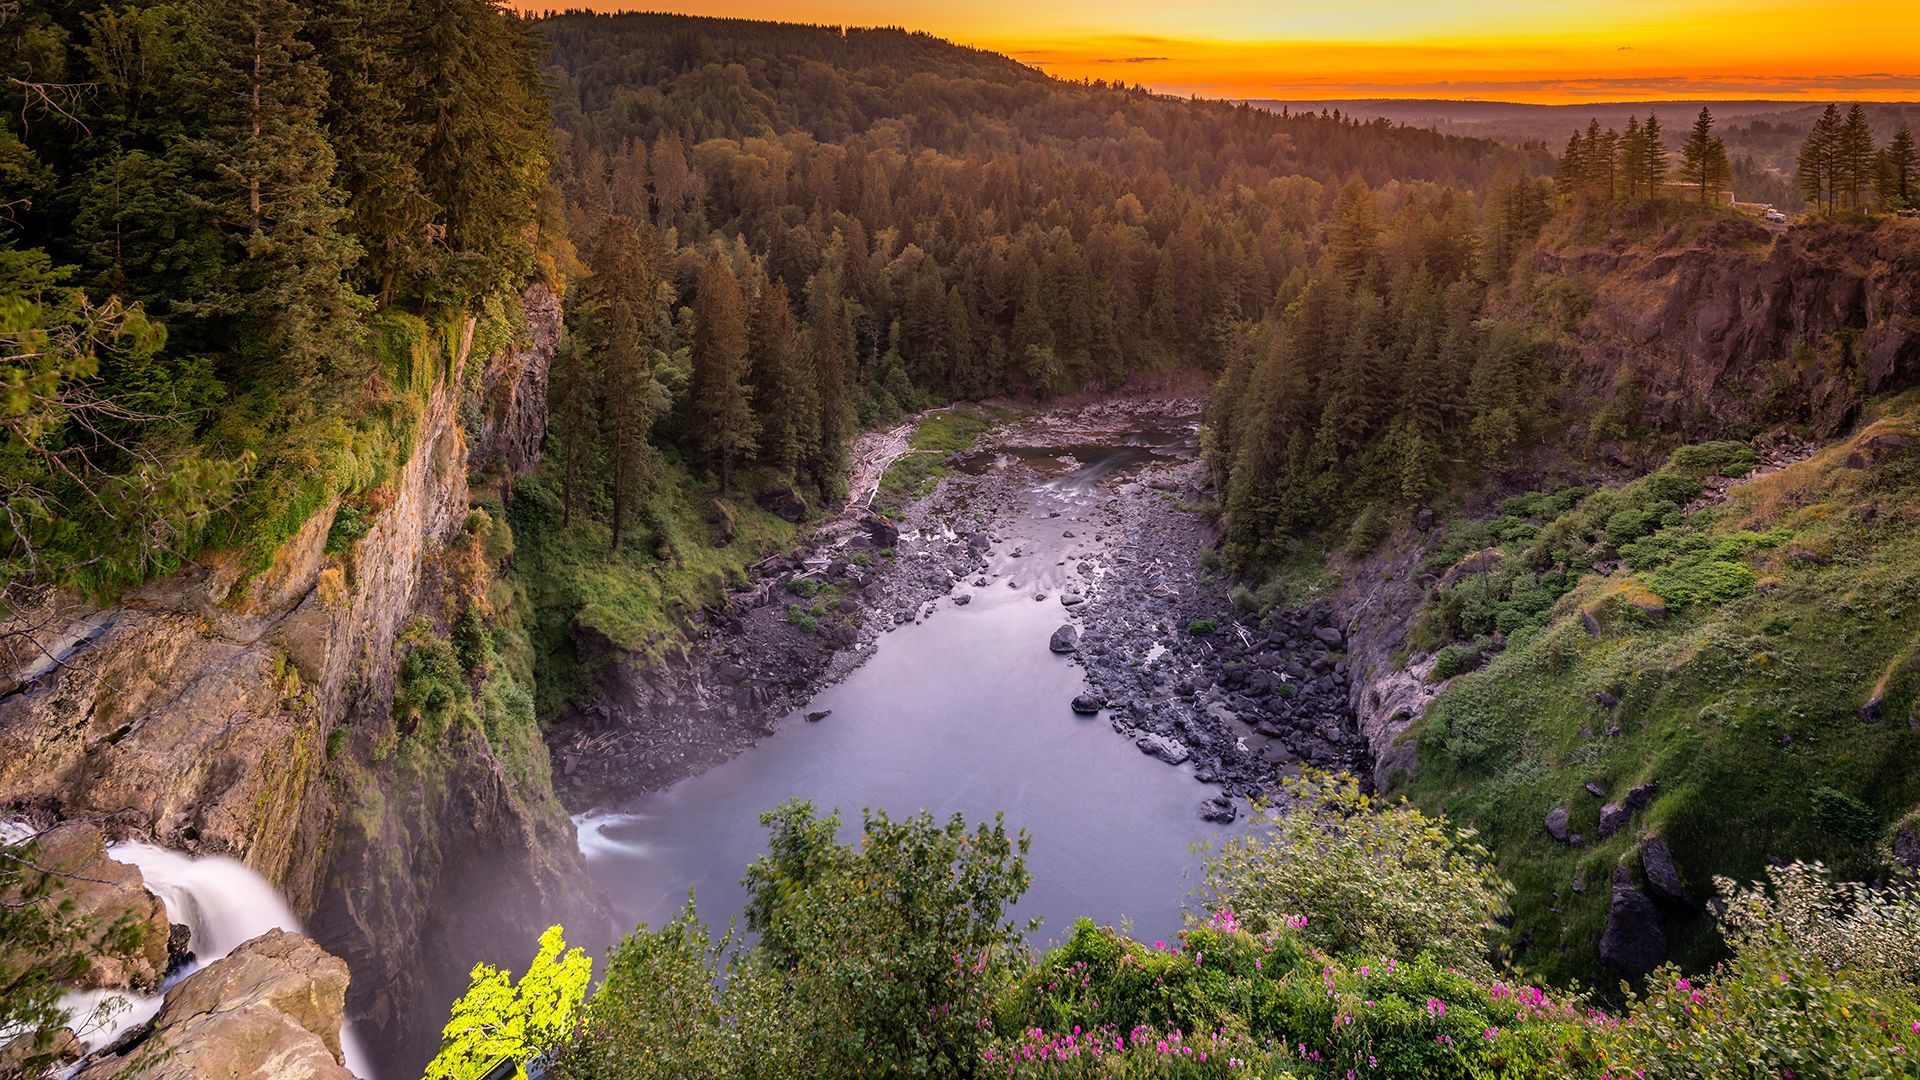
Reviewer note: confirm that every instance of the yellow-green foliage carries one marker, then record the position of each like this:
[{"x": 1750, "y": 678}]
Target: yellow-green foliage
[
  {"x": 1790, "y": 608},
  {"x": 497, "y": 1020}
]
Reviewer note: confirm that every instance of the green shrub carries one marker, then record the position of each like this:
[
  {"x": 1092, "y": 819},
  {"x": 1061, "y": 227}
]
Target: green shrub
[
  {"x": 1369, "y": 528},
  {"x": 1843, "y": 815},
  {"x": 1377, "y": 877},
  {"x": 1202, "y": 627}
]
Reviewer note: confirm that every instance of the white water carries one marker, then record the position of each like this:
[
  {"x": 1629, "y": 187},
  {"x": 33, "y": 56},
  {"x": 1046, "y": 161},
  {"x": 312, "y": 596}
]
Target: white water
[{"x": 224, "y": 903}]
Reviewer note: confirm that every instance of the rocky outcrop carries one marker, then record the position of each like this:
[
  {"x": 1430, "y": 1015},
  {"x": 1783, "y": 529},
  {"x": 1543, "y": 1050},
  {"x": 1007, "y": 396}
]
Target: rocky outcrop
[
  {"x": 109, "y": 899},
  {"x": 272, "y": 1009},
  {"x": 1634, "y": 941},
  {"x": 1703, "y": 329},
  {"x": 1374, "y": 604},
  {"x": 513, "y": 390}
]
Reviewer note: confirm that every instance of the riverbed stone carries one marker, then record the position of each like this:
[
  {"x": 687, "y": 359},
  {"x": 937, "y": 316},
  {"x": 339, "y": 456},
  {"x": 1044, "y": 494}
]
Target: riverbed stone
[
  {"x": 1086, "y": 704},
  {"x": 1065, "y": 640}
]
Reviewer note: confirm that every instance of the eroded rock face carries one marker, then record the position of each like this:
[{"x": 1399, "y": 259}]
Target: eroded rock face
[
  {"x": 271, "y": 1009},
  {"x": 1705, "y": 326},
  {"x": 513, "y": 389}
]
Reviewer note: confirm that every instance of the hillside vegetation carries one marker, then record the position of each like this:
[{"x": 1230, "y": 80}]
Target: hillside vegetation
[{"x": 1752, "y": 666}]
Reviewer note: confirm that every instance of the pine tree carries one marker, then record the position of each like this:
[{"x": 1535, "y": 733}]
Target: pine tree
[
  {"x": 1353, "y": 236},
  {"x": 1856, "y": 157},
  {"x": 575, "y": 421},
  {"x": 1571, "y": 176},
  {"x": 1900, "y": 171},
  {"x": 724, "y": 429},
  {"x": 266, "y": 182},
  {"x": 1819, "y": 160},
  {"x": 1655, "y": 169},
  {"x": 786, "y": 405},
  {"x": 1633, "y": 160},
  {"x": 377, "y": 139},
  {"x": 483, "y": 112},
  {"x": 627, "y": 376},
  {"x": 1703, "y": 159},
  {"x": 832, "y": 361}
]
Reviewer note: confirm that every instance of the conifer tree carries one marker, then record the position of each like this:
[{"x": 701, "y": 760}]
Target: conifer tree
[
  {"x": 266, "y": 183},
  {"x": 1856, "y": 157},
  {"x": 1900, "y": 171},
  {"x": 1703, "y": 159},
  {"x": 575, "y": 423},
  {"x": 1819, "y": 160},
  {"x": 786, "y": 405},
  {"x": 724, "y": 428},
  {"x": 1633, "y": 160},
  {"x": 626, "y": 365},
  {"x": 1655, "y": 170}
]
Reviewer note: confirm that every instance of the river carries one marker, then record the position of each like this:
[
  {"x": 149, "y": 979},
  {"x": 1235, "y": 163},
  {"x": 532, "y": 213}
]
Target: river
[{"x": 965, "y": 711}]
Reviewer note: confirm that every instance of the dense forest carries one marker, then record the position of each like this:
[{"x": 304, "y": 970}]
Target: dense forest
[
  {"x": 228, "y": 228},
  {"x": 889, "y": 221}
]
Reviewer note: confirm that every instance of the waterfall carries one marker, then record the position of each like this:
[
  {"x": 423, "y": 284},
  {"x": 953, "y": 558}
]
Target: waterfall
[{"x": 224, "y": 903}]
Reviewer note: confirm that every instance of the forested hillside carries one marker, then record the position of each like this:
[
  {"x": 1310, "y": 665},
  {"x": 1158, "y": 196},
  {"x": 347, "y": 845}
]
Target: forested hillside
[
  {"x": 787, "y": 233},
  {"x": 229, "y": 231}
]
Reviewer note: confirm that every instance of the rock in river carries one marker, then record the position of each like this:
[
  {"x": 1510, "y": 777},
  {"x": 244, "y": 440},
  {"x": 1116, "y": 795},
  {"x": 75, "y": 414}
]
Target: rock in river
[
  {"x": 1167, "y": 750},
  {"x": 1087, "y": 705},
  {"x": 1064, "y": 640},
  {"x": 1219, "y": 809}
]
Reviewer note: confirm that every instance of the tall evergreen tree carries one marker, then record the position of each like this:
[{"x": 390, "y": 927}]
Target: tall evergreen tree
[
  {"x": 724, "y": 429},
  {"x": 1655, "y": 169},
  {"x": 1900, "y": 171},
  {"x": 626, "y": 366},
  {"x": 265, "y": 181},
  {"x": 1857, "y": 158},
  {"x": 1703, "y": 159},
  {"x": 1819, "y": 160}
]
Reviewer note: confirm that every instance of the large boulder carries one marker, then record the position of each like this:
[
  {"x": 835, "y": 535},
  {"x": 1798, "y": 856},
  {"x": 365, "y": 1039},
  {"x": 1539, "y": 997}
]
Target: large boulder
[
  {"x": 109, "y": 898},
  {"x": 1556, "y": 823},
  {"x": 1634, "y": 941},
  {"x": 1064, "y": 640},
  {"x": 269, "y": 1010},
  {"x": 1663, "y": 875},
  {"x": 1160, "y": 746}
]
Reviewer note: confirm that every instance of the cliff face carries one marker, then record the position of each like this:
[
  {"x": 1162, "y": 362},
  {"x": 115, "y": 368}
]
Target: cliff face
[
  {"x": 1736, "y": 328},
  {"x": 252, "y": 716}
]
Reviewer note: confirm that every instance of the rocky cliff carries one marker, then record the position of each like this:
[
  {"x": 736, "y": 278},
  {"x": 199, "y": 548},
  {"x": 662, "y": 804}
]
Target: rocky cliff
[
  {"x": 1732, "y": 328},
  {"x": 252, "y": 714}
]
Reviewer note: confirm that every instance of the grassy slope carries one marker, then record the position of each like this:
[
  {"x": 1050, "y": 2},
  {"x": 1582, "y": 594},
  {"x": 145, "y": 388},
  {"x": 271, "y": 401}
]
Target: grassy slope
[
  {"x": 670, "y": 567},
  {"x": 1743, "y": 711}
]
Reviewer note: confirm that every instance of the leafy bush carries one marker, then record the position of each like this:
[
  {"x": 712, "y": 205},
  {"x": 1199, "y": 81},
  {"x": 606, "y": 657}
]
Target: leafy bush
[
  {"x": 1822, "y": 982},
  {"x": 1369, "y": 528},
  {"x": 1377, "y": 877},
  {"x": 1843, "y": 815},
  {"x": 498, "y": 1019},
  {"x": 1202, "y": 627}
]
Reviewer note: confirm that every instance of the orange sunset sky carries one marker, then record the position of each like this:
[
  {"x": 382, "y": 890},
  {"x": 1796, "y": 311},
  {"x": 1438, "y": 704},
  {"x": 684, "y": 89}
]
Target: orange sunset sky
[{"x": 1510, "y": 50}]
